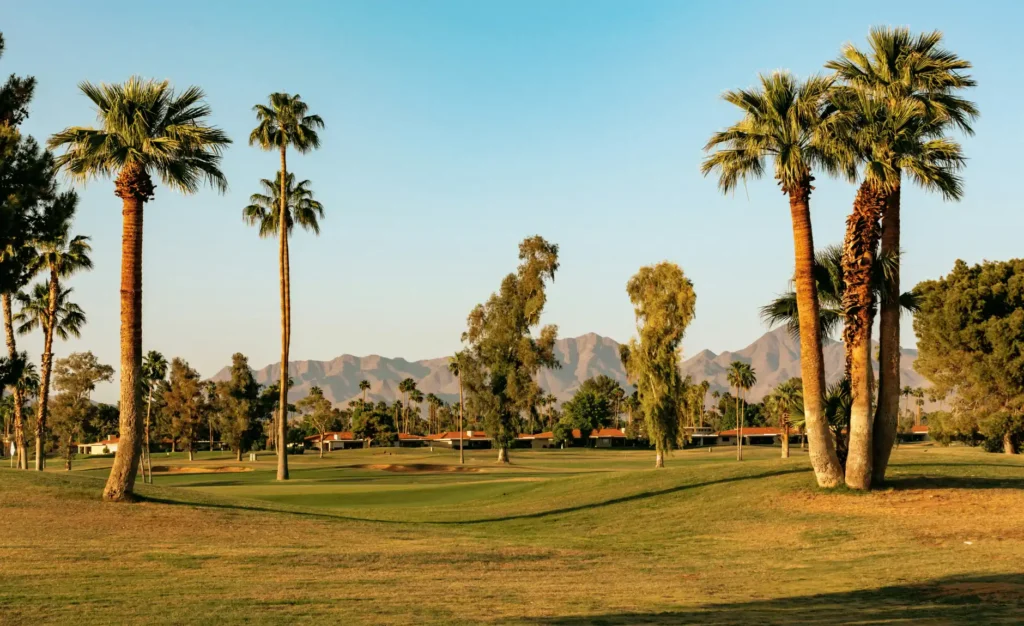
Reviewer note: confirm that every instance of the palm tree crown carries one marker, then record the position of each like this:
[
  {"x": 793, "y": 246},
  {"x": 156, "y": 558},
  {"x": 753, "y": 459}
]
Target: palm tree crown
[
  {"x": 56, "y": 248},
  {"x": 69, "y": 318},
  {"x": 780, "y": 118},
  {"x": 301, "y": 207},
  {"x": 146, "y": 128},
  {"x": 285, "y": 123}
]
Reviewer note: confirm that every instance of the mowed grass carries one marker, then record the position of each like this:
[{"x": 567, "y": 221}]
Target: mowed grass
[{"x": 558, "y": 537}]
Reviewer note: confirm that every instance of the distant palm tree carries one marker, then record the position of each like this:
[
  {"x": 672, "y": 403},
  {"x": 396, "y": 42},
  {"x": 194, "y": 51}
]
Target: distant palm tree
[
  {"x": 906, "y": 393},
  {"x": 59, "y": 254},
  {"x": 454, "y": 366},
  {"x": 54, "y": 316},
  {"x": 407, "y": 386},
  {"x": 783, "y": 402},
  {"x": 284, "y": 122},
  {"x": 416, "y": 396},
  {"x": 154, "y": 371},
  {"x": 364, "y": 385},
  {"x": 735, "y": 377},
  {"x": 780, "y": 119},
  {"x": 146, "y": 129}
]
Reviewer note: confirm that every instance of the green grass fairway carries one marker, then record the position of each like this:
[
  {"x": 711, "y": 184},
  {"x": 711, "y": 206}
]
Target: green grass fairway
[{"x": 559, "y": 537}]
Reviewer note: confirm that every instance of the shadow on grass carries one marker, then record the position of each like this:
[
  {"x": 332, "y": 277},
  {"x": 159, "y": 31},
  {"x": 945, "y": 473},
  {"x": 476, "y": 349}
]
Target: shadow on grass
[
  {"x": 506, "y": 518},
  {"x": 952, "y": 600},
  {"x": 904, "y": 483}
]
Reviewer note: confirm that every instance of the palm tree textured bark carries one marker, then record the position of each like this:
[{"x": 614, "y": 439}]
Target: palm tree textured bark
[
  {"x": 46, "y": 367},
  {"x": 887, "y": 413},
  {"x": 822, "y": 449},
  {"x": 862, "y": 232},
  {"x": 18, "y": 397},
  {"x": 282, "y": 423},
  {"x": 134, "y": 187}
]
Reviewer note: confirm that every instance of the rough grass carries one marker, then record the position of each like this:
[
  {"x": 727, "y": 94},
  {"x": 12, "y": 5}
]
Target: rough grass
[{"x": 559, "y": 537}]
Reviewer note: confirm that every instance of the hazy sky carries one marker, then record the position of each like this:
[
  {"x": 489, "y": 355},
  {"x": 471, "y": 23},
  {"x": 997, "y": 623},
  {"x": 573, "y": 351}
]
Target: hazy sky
[{"x": 455, "y": 129}]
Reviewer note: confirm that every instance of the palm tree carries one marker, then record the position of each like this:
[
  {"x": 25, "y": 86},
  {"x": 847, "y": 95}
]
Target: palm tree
[
  {"x": 145, "y": 129},
  {"x": 154, "y": 371},
  {"x": 364, "y": 385},
  {"x": 913, "y": 78},
  {"x": 61, "y": 255},
  {"x": 407, "y": 386},
  {"x": 735, "y": 377},
  {"x": 21, "y": 378},
  {"x": 455, "y": 367},
  {"x": 783, "y": 402},
  {"x": 54, "y": 315},
  {"x": 415, "y": 396},
  {"x": 284, "y": 122},
  {"x": 780, "y": 120}
]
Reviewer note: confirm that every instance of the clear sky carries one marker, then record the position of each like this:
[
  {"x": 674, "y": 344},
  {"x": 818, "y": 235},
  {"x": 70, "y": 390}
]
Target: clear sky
[{"x": 455, "y": 129}]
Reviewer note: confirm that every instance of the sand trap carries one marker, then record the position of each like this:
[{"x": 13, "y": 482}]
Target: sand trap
[
  {"x": 179, "y": 469},
  {"x": 414, "y": 468}
]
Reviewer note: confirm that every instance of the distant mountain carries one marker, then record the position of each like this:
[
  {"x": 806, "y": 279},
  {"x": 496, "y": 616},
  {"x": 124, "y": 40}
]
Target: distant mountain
[{"x": 775, "y": 358}]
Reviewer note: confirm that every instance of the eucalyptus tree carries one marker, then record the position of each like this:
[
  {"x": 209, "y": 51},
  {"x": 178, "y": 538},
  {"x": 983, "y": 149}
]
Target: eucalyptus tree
[
  {"x": 503, "y": 356},
  {"x": 154, "y": 371},
  {"x": 284, "y": 122},
  {"x": 146, "y": 129},
  {"x": 317, "y": 413},
  {"x": 664, "y": 303},
  {"x": 916, "y": 79},
  {"x": 54, "y": 315},
  {"x": 780, "y": 119},
  {"x": 75, "y": 378},
  {"x": 456, "y": 371}
]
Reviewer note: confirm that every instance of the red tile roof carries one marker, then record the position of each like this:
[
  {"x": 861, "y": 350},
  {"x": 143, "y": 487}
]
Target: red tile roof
[
  {"x": 454, "y": 434},
  {"x": 106, "y": 441},
  {"x": 576, "y": 434},
  {"x": 334, "y": 436},
  {"x": 920, "y": 430},
  {"x": 754, "y": 431},
  {"x": 409, "y": 437}
]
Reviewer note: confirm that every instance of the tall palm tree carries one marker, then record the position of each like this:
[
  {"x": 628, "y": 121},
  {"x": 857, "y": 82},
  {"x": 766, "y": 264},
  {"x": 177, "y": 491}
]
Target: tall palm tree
[
  {"x": 364, "y": 385},
  {"x": 54, "y": 315},
  {"x": 780, "y": 120},
  {"x": 60, "y": 254},
  {"x": 748, "y": 378},
  {"x": 146, "y": 129},
  {"x": 154, "y": 371},
  {"x": 455, "y": 367},
  {"x": 914, "y": 74},
  {"x": 284, "y": 122},
  {"x": 906, "y": 393},
  {"x": 416, "y": 396}
]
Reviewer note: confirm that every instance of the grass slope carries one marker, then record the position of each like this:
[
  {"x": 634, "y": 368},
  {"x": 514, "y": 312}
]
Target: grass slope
[{"x": 560, "y": 537}]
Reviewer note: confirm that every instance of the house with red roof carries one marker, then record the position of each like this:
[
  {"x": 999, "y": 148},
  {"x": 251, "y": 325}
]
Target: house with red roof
[
  {"x": 600, "y": 438},
  {"x": 755, "y": 436},
  {"x": 342, "y": 440},
  {"x": 469, "y": 439}
]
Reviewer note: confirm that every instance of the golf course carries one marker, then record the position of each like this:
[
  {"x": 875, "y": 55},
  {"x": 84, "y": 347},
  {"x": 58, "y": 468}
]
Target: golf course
[{"x": 578, "y": 536}]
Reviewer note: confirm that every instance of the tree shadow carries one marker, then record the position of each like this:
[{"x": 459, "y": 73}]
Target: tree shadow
[
  {"x": 954, "y": 600},
  {"x": 906, "y": 483}
]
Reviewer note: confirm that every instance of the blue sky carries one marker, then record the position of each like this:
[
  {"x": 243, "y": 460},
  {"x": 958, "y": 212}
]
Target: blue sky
[{"x": 455, "y": 129}]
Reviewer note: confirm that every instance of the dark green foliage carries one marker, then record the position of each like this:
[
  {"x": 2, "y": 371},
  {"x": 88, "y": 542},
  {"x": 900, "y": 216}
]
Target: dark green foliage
[
  {"x": 587, "y": 411},
  {"x": 970, "y": 337},
  {"x": 241, "y": 414}
]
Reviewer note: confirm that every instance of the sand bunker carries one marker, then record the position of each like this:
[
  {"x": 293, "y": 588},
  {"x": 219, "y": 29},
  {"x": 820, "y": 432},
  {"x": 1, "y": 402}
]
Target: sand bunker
[
  {"x": 180, "y": 469},
  {"x": 414, "y": 468}
]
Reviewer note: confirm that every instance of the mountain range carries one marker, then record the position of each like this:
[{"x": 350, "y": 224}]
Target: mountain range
[{"x": 775, "y": 357}]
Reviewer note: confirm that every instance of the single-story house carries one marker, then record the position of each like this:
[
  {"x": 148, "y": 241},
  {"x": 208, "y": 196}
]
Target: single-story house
[
  {"x": 471, "y": 439},
  {"x": 701, "y": 436},
  {"x": 408, "y": 440},
  {"x": 107, "y": 446},
  {"x": 756, "y": 436},
  {"x": 600, "y": 438},
  {"x": 335, "y": 441},
  {"x": 916, "y": 433}
]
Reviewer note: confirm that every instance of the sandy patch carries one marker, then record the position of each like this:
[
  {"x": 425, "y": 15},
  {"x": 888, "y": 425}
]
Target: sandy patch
[
  {"x": 418, "y": 468},
  {"x": 181, "y": 469}
]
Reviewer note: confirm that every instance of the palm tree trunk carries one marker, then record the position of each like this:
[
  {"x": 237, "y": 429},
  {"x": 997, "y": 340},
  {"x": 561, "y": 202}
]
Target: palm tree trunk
[
  {"x": 739, "y": 428},
  {"x": 147, "y": 459},
  {"x": 134, "y": 187},
  {"x": 785, "y": 441},
  {"x": 282, "y": 424},
  {"x": 822, "y": 451},
  {"x": 462, "y": 426},
  {"x": 18, "y": 396},
  {"x": 46, "y": 366},
  {"x": 886, "y": 415},
  {"x": 862, "y": 233}
]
